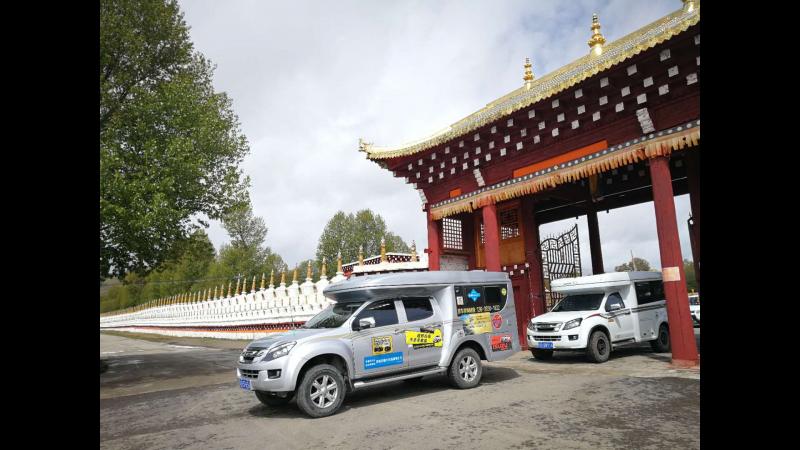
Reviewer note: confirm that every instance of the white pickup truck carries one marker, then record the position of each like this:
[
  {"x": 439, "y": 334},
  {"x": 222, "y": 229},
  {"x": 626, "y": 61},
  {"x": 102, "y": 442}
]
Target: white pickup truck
[{"x": 601, "y": 312}]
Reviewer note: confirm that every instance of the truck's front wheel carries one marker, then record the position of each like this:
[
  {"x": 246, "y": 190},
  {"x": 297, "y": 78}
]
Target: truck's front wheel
[
  {"x": 599, "y": 348},
  {"x": 661, "y": 344},
  {"x": 321, "y": 392}
]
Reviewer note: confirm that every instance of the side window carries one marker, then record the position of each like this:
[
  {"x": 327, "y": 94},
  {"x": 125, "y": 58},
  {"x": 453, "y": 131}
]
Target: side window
[
  {"x": 649, "y": 291},
  {"x": 469, "y": 299},
  {"x": 383, "y": 311},
  {"x": 417, "y": 308},
  {"x": 495, "y": 298},
  {"x": 614, "y": 299}
]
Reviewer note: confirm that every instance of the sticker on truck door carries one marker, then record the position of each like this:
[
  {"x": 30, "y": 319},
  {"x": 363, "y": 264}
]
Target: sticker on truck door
[
  {"x": 501, "y": 342},
  {"x": 424, "y": 338},
  {"x": 381, "y": 345},
  {"x": 476, "y": 323},
  {"x": 389, "y": 359}
]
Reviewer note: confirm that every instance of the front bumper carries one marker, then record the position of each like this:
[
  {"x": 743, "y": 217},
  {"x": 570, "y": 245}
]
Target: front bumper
[
  {"x": 258, "y": 374},
  {"x": 560, "y": 340}
]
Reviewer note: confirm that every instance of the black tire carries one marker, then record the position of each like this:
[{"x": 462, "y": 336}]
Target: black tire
[
  {"x": 272, "y": 400},
  {"x": 599, "y": 348},
  {"x": 307, "y": 388},
  {"x": 542, "y": 354},
  {"x": 465, "y": 370},
  {"x": 661, "y": 344}
]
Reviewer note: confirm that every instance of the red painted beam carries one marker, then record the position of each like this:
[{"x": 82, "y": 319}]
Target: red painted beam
[
  {"x": 681, "y": 330},
  {"x": 491, "y": 233},
  {"x": 434, "y": 245}
]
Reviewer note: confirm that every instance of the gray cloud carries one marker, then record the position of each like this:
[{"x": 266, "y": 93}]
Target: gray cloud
[{"x": 308, "y": 78}]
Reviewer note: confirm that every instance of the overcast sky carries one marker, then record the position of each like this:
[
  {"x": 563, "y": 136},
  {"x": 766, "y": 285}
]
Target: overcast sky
[{"x": 308, "y": 78}]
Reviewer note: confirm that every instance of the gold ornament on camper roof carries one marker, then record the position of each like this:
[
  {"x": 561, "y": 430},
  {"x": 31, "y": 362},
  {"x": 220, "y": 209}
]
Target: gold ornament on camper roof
[
  {"x": 308, "y": 271},
  {"x": 360, "y": 255},
  {"x": 339, "y": 262},
  {"x": 597, "y": 40},
  {"x": 414, "y": 257},
  {"x": 528, "y": 71},
  {"x": 383, "y": 251},
  {"x": 263, "y": 279}
]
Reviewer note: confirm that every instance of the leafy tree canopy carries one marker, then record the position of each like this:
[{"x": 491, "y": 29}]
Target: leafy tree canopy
[
  {"x": 170, "y": 146},
  {"x": 640, "y": 265},
  {"x": 346, "y": 232}
]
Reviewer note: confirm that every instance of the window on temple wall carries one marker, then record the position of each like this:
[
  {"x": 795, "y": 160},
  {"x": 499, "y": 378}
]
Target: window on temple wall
[
  {"x": 452, "y": 234},
  {"x": 509, "y": 224}
]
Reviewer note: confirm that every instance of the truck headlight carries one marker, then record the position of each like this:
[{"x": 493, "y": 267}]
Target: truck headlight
[
  {"x": 279, "y": 351},
  {"x": 572, "y": 324},
  {"x": 531, "y": 326}
]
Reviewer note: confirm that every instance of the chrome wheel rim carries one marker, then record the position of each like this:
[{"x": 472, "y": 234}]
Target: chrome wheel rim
[
  {"x": 468, "y": 368},
  {"x": 324, "y": 391}
]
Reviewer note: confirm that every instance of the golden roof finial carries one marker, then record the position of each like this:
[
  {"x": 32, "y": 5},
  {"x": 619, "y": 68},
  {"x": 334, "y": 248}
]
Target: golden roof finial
[
  {"x": 360, "y": 255},
  {"x": 215, "y": 292},
  {"x": 597, "y": 40},
  {"x": 689, "y": 5},
  {"x": 208, "y": 294},
  {"x": 263, "y": 279},
  {"x": 339, "y": 262},
  {"x": 272, "y": 278},
  {"x": 236, "y": 292},
  {"x": 283, "y": 277},
  {"x": 528, "y": 71},
  {"x": 229, "y": 288},
  {"x": 383, "y": 251},
  {"x": 294, "y": 275},
  {"x": 323, "y": 271},
  {"x": 253, "y": 286},
  {"x": 414, "y": 257},
  {"x": 308, "y": 271}
]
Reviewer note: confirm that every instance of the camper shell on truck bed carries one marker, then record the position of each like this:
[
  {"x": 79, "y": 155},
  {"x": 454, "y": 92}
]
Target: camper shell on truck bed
[{"x": 383, "y": 328}]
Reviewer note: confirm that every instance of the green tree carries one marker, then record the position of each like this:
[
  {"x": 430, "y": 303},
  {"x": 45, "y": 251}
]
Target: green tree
[
  {"x": 169, "y": 145},
  {"x": 246, "y": 255},
  {"x": 346, "y": 232},
  {"x": 640, "y": 265},
  {"x": 691, "y": 279}
]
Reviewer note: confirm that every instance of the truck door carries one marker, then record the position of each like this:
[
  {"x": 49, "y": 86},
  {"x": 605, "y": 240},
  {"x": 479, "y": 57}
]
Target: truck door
[
  {"x": 423, "y": 332},
  {"x": 620, "y": 321},
  {"x": 381, "y": 349},
  {"x": 649, "y": 299}
]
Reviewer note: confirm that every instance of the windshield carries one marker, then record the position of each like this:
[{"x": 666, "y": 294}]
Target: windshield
[
  {"x": 333, "y": 316},
  {"x": 583, "y": 302}
]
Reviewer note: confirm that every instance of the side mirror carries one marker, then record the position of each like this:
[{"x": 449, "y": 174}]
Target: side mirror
[{"x": 363, "y": 324}]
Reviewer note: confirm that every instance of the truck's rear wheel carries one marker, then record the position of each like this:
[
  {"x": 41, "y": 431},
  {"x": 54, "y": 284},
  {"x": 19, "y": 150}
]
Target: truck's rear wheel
[
  {"x": 661, "y": 344},
  {"x": 272, "y": 399},
  {"x": 322, "y": 391},
  {"x": 599, "y": 348},
  {"x": 541, "y": 354},
  {"x": 465, "y": 371}
]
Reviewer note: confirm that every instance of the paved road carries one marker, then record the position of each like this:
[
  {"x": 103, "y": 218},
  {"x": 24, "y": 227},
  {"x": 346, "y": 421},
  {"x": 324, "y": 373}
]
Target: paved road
[{"x": 167, "y": 396}]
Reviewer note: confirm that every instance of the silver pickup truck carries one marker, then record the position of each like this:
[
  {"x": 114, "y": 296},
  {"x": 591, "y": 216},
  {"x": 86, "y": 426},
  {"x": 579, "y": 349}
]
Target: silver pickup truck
[{"x": 385, "y": 328}]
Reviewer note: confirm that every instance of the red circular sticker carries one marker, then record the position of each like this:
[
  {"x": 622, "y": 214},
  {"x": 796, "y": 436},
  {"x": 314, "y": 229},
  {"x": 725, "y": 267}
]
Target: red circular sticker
[{"x": 497, "y": 321}]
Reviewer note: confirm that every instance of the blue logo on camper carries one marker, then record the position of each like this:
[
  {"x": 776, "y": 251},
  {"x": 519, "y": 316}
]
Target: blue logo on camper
[{"x": 474, "y": 295}]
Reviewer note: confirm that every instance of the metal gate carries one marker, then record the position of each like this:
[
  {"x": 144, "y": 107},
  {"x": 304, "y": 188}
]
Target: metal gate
[{"x": 561, "y": 258}]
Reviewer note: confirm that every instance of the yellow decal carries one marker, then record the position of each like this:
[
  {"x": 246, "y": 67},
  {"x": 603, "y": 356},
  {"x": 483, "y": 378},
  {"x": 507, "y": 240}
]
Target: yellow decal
[
  {"x": 422, "y": 339},
  {"x": 477, "y": 323},
  {"x": 381, "y": 345},
  {"x": 503, "y": 291}
]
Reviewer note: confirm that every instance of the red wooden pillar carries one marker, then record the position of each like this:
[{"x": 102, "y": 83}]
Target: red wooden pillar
[
  {"x": 434, "y": 248},
  {"x": 533, "y": 256},
  {"x": 693, "y": 175},
  {"x": 491, "y": 236},
  {"x": 681, "y": 331},
  {"x": 594, "y": 240}
]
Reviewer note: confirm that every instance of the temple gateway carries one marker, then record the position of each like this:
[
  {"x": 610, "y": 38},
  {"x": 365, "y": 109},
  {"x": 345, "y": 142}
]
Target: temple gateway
[{"x": 617, "y": 127}]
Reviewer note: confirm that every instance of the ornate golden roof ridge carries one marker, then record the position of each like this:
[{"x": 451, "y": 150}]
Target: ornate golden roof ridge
[{"x": 548, "y": 85}]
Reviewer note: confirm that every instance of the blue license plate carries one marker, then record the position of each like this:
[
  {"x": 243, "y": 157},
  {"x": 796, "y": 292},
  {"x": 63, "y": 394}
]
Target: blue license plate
[
  {"x": 244, "y": 384},
  {"x": 548, "y": 345}
]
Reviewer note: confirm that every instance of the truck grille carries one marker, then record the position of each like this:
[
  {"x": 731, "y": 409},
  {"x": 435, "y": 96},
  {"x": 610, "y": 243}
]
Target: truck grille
[
  {"x": 546, "y": 326},
  {"x": 247, "y": 373},
  {"x": 249, "y": 354},
  {"x": 546, "y": 338}
]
